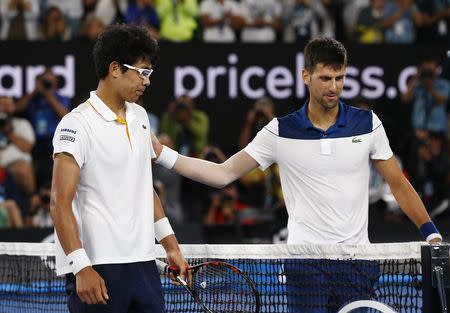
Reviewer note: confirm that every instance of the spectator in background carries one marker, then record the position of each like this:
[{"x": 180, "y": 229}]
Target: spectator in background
[
  {"x": 45, "y": 107},
  {"x": 16, "y": 143},
  {"x": 168, "y": 187},
  {"x": 262, "y": 20},
  {"x": 186, "y": 126},
  {"x": 429, "y": 95},
  {"x": 88, "y": 8},
  {"x": 178, "y": 19},
  {"x": 72, "y": 11},
  {"x": 401, "y": 18},
  {"x": 436, "y": 20},
  {"x": 54, "y": 26},
  {"x": 305, "y": 19},
  {"x": 111, "y": 11},
  {"x": 261, "y": 114},
  {"x": 220, "y": 19},
  {"x": 143, "y": 13},
  {"x": 223, "y": 206},
  {"x": 10, "y": 216},
  {"x": 431, "y": 175},
  {"x": 369, "y": 25},
  {"x": 39, "y": 215},
  {"x": 350, "y": 13},
  {"x": 19, "y": 19},
  {"x": 92, "y": 27}
]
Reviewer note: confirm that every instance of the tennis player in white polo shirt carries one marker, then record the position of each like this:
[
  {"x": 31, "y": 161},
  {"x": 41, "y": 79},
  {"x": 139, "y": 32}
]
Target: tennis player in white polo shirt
[
  {"x": 323, "y": 151},
  {"x": 105, "y": 214}
]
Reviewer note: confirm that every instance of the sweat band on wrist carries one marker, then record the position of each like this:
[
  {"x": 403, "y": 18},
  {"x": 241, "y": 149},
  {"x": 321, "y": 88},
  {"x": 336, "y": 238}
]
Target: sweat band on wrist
[
  {"x": 167, "y": 158},
  {"x": 78, "y": 260},
  {"x": 163, "y": 229},
  {"x": 429, "y": 231}
]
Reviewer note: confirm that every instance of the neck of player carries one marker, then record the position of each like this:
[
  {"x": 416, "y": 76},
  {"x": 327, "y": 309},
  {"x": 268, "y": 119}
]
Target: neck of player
[
  {"x": 321, "y": 117},
  {"x": 111, "y": 98}
]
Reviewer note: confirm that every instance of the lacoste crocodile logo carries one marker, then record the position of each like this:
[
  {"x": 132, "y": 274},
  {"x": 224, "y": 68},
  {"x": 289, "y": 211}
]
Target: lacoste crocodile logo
[{"x": 356, "y": 140}]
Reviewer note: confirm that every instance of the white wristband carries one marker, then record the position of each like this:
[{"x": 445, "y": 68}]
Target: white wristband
[
  {"x": 433, "y": 236},
  {"x": 78, "y": 260},
  {"x": 163, "y": 229},
  {"x": 167, "y": 158}
]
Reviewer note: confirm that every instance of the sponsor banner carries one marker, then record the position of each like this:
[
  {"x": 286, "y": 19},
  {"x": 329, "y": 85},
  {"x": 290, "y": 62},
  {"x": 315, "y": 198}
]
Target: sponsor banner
[{"x": 226, "y": 79}]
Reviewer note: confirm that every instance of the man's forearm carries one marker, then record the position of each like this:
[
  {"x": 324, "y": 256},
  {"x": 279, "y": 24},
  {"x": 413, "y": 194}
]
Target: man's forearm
[
  {"x": 170, "y": 244},
  {"x": 66, "y": 229},
  {"x": 410, "y": 202},
  {"x": 203, "y": 171}
]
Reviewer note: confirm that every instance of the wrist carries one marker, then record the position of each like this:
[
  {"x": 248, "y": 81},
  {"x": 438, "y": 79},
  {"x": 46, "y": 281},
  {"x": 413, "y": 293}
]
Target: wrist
[
  {"x": 163, "y": 229},
  {"x": 167, "y": 157},
  {"x": 78, "y": 260},
  {"x": 429, "y": 231}
]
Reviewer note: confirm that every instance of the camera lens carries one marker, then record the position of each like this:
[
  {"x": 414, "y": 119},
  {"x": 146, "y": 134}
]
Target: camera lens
[{"x": 47, "y": 84}]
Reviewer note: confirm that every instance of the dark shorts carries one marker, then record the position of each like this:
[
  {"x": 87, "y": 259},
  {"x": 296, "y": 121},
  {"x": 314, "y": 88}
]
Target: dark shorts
[
  {"x": 132, "y": 288},
  {"x": 323, "y": 286}
]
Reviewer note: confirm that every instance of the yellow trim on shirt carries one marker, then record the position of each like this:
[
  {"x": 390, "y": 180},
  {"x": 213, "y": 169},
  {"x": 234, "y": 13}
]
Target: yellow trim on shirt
[
  {"x": 119, "y": 120},
  {"x": 122, "y": 121}
]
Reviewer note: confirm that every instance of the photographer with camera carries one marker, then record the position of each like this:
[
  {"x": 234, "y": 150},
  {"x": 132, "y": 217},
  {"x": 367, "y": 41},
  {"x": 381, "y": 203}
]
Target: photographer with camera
[
  {"x": 186, "y": 126},
  {"x": 429, "y": 94},
  {"x": 44, "y": 108},
  {"x": 16, "y": 142}
]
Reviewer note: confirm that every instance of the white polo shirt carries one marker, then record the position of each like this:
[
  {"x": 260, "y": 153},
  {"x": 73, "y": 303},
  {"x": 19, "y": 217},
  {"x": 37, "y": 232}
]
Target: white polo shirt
[
  {"x": 113, "y": 204},
  {"x": 324, "y": 174}
]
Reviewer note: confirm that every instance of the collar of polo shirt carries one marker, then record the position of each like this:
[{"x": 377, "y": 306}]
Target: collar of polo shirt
[{"x": 106, "y": 112}]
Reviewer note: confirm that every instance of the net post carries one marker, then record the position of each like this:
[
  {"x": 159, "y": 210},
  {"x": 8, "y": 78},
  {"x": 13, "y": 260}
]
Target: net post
[{"x": 435, "y": 277}]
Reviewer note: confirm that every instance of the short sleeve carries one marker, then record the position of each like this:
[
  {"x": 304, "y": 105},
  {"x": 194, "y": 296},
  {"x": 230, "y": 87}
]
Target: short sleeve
[
  {"x": 263, "y": 147},
  {"x": 71, "y": 137},
  {"x": 380, "y": 149}
]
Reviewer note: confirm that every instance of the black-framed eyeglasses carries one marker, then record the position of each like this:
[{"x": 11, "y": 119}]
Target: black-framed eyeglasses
[{"x": 144, "y": 72}]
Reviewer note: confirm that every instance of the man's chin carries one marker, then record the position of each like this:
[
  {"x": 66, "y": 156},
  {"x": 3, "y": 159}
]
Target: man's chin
[{"x": 330, "y": 105}]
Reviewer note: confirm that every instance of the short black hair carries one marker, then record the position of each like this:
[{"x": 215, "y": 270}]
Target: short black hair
[
  {"x": 327, "y": 51},
  {"x": 125, "y": 44}
]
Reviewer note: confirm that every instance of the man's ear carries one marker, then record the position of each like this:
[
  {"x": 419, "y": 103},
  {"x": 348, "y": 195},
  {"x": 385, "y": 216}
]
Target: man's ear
[
  {"x": 306, "y": 77},
  {"x": 115, "y": 69}
]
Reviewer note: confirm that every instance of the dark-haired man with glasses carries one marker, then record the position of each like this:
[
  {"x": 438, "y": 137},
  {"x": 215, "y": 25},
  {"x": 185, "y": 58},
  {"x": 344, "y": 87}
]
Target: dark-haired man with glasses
[{"x": 104, "y": 215}]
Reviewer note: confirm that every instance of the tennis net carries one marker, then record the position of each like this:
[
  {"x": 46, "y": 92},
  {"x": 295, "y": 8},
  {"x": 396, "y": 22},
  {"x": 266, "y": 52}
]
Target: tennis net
[{"x": 289, "y": 278}]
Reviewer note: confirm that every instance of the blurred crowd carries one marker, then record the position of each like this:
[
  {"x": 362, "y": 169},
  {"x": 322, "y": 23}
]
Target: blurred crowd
[
  {"x": 362, "y": 21},
  {"x": 27, "y": 124}
]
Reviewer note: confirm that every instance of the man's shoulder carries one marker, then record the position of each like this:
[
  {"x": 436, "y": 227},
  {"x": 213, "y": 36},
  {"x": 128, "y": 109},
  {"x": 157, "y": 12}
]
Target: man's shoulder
[
  {"x": 78, "y": 114},
  {"x": 361, "y": 120}
]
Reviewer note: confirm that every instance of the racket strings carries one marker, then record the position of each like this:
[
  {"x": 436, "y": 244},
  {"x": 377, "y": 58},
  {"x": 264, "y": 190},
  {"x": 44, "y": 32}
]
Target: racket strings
[{"x": 224, "y": 291}]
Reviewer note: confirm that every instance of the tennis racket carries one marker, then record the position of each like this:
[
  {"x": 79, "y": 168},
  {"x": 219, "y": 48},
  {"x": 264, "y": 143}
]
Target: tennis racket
[{"x": 218, "y": 287}]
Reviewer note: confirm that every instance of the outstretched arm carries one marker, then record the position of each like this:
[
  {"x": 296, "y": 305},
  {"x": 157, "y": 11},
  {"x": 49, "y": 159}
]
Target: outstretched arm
[
  {"x": 206, "y": 172},
  {"x": 213, "y": 174}
]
